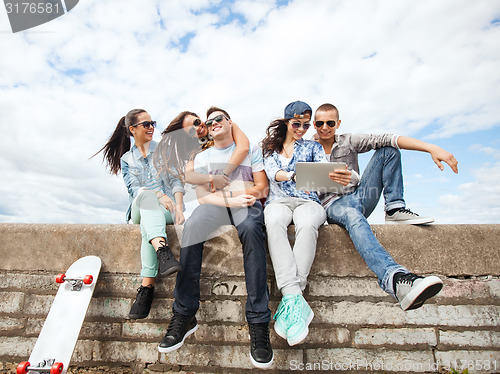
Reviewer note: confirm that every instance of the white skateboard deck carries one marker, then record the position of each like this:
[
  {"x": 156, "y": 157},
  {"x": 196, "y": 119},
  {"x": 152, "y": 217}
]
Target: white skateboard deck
[{"x": 60, "y": 331}]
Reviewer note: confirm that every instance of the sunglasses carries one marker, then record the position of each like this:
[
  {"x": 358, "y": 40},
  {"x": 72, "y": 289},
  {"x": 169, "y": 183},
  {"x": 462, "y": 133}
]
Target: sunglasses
[
  {"x": 146, "y": 124},
  {"x": 197, "y": 122},
  {"x": 209, "y": 122},
  {"x": 298, "y": 125},
  {"x": 321, "y": 123}
]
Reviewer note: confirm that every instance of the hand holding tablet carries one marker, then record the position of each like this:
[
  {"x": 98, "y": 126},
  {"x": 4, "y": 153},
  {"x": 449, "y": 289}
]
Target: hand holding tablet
[{"x": 315, "y": 176}]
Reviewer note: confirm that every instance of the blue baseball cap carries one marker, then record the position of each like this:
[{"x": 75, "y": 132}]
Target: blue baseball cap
[{"x": 296, "y": 109}]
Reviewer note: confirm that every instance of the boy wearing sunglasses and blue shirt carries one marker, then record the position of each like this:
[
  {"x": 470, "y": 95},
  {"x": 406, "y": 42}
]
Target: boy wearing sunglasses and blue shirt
[{"x": 356, "y": 202}]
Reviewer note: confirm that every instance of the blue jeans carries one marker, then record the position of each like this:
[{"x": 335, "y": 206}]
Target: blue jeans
[
  {"x": 204, "y": 220},
  {"x": 383, "y": 173}
]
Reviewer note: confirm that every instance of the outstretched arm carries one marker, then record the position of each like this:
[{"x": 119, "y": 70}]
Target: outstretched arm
[{"x": 438, "y": 154}]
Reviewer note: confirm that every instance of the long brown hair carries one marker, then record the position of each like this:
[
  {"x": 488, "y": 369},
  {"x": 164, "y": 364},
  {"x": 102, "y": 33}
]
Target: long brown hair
[
  {"x": 176, "y": 147},
  {"x": 275, "y": 137},
  {"x": 119, "y": 142}
]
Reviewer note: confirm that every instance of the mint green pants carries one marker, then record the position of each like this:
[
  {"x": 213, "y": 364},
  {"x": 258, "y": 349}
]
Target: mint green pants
[{"x": 153, "y": 217}]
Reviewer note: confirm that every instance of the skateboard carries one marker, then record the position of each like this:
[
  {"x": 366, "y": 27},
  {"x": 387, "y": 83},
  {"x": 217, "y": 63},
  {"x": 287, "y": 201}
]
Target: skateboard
[{"x": 56, "y": 342}]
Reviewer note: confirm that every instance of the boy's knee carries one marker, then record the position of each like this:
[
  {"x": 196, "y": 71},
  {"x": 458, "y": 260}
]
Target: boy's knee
[
  {"x": 250, "y": 225},
  {"x": 389, "y": 152}
]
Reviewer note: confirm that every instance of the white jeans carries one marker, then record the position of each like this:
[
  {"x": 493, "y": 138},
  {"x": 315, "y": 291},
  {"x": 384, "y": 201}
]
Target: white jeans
[{"x": 292, "y": 266}]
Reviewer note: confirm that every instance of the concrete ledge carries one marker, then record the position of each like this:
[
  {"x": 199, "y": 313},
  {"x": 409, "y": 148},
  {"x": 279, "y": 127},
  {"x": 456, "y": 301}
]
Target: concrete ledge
[{"x": 450, "y": 250}]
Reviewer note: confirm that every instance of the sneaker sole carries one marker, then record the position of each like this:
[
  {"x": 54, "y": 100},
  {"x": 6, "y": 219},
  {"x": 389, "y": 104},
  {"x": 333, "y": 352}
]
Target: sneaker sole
[
  {"x": 416, "y": 221},
  {"x": 302, "y": 336},
  {"x": 281, "y": 333},
  {"x": 426, "y": 289},
  {"x": 137, "y": 316},
  {"x": 178, "y": 345},
  {"x": 172, "y": 270},
  {"x": 262, "y": 365}
]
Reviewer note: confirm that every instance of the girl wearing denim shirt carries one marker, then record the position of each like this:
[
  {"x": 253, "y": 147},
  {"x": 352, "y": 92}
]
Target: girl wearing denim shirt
[
  {"x": 283, "y": 147},
  {"x": 156, "y": 199}
]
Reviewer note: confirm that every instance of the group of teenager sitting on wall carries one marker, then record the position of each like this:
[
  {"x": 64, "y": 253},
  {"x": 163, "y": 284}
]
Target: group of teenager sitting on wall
[{"x": 253, "y": 187}]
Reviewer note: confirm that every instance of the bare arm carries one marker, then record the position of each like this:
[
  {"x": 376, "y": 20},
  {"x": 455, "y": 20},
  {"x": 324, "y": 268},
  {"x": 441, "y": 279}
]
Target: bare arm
[
  {"x": 438, "y": 154},
  {"x": 241, "y": 151},
  {"x": 179, "y": 214},
  {"x": 235, "y": 199},
  {"x": 191, "y": 176},
  {"x": 194, "y": 177}
]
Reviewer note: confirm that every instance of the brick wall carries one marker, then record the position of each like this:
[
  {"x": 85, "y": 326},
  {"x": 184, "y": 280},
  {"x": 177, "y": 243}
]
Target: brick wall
[{"x": 357, "y": 327}]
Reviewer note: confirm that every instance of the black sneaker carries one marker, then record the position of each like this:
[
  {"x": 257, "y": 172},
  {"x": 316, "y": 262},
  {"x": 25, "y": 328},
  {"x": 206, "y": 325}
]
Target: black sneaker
[
  {"x": 413, "y": 290},
  {"x": 142, "y": 304},
  {"x": 167, "y": 263},
  {"x": 179, "y": 329},
  {"x": 261, "y": 353}
]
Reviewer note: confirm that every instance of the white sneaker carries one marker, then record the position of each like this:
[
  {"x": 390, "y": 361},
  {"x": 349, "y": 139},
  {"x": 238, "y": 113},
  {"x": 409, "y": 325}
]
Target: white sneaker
[
  {"x": 413, "y": 290},
  {"x": 406, "y": 217}
]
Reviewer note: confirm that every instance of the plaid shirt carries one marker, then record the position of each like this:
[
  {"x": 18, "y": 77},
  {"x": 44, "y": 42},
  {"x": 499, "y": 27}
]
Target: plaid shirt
[{"x": 303, "y": 151}]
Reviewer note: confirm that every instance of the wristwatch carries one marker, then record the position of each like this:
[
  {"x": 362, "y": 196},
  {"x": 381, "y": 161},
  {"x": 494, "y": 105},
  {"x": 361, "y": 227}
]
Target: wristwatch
[{"x": 293, "y": 177}]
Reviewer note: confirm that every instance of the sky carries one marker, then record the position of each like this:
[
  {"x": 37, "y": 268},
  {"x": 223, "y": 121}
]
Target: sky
[{"x": 426, "y": 69}]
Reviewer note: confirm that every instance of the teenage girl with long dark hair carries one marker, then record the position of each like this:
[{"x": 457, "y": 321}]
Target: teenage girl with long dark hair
[
  {"x": 283, "y": 147},
  {"x": 186, "y": 136},
  {"x": 155, "y": 199}
]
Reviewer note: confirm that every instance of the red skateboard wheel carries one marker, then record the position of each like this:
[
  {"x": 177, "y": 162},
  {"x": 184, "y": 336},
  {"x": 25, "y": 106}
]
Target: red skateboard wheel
[
  {"x": 88, "y": 279},
  {"x": 22, "y": 368},
  {"x": 60, "y": 278},
  {"x": 56, "y": 368}
]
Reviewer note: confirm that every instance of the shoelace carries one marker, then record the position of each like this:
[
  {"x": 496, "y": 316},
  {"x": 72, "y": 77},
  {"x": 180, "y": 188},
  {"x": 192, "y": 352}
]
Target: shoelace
[
  {"x": 259, "y": 334},
  {"x": 297, "y": 310},
  {"x": 408, "y": 211},
  {"x": 285, "y": 309},
  {"x": 176, "y": 324},
  {"x": 164, "y": 251},
  {"x": 407, "y": 278},
  {"x": 142, "y": 294}
]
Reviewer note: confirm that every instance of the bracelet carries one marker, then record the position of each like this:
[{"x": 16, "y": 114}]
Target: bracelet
[
  {"x": 212, "y": 186},
  {"x": 224, "y": 174}
]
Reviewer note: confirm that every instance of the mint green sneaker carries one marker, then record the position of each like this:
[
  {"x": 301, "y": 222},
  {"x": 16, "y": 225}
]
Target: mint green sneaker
[
  {"x": 298, "y": 321},
  {"x": 281, "y": 316}
]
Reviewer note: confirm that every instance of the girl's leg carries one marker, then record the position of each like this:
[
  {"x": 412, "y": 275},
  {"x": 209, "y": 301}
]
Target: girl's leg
[
  {"x": 153, "y": 217},
  {"x": 278, "y": 216},
  {"x": 307, "y": 217}
]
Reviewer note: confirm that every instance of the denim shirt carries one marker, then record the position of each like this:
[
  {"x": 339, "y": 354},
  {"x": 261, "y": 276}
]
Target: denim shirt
[
  {"x": 138, "y": 171},
  {"x": 303, "y": 151}
]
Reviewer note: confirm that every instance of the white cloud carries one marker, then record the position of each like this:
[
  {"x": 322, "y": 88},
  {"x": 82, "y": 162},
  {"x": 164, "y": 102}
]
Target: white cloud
[
  {"x": 477, "y": 201},
  {"x": 395, "y": 66}
]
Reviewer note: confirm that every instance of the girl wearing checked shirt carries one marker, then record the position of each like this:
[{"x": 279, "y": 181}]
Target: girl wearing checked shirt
[
  {"x": 156, "y": 199},
  {"x": 282, "y": 148}
]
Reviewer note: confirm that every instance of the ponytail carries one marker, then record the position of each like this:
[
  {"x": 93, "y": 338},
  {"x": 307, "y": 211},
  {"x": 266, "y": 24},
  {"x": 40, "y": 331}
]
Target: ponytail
[{"x": 119, "y": 142}]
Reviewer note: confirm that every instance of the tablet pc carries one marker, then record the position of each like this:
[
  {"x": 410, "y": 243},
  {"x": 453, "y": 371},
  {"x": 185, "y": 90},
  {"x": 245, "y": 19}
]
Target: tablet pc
[{"x": 313, "y": 176}]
